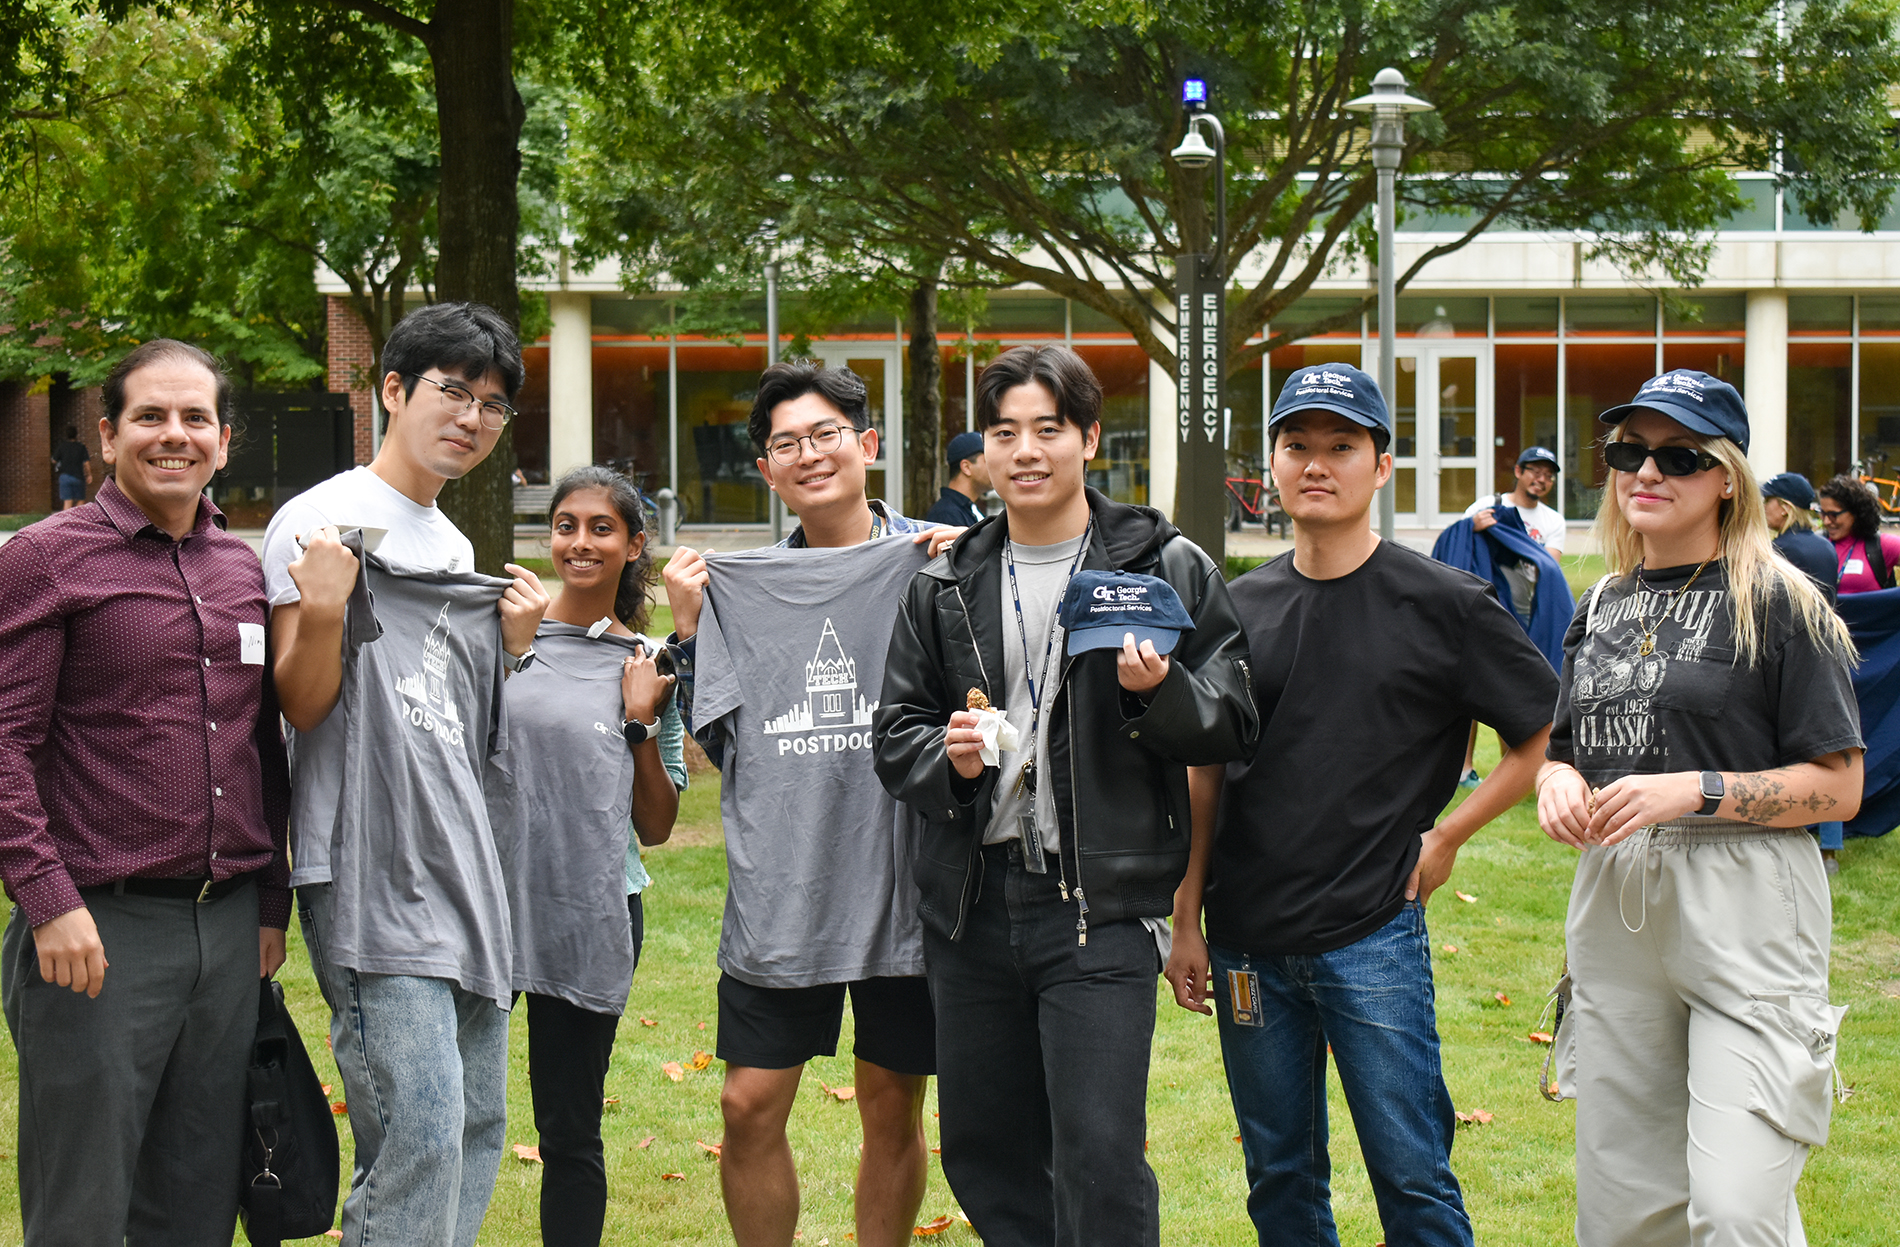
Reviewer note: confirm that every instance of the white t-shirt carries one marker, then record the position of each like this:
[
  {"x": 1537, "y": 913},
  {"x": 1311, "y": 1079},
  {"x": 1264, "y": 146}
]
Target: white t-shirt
[
  {"x": 417, "y": 537},
  {"x": 1545, "y": 524}
]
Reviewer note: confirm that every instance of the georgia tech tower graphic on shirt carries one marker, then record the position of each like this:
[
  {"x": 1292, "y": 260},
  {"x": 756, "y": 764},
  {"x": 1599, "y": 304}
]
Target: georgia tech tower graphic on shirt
[
  {"x": 427, "y": 688},
  {"x": 831, "y": 692}
]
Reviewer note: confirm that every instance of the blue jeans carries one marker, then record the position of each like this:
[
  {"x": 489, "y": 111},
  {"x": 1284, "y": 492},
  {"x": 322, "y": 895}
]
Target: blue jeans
[
  {"x": 425, "y": 1070},
  {"x": 1833, "y": 835},
  {"x": 1371, "y": 1001}
]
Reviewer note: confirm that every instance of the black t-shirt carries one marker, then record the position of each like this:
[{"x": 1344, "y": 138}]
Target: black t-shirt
[
  {"x": 69, "y": 458},
  {"x": 1687, "y": 706},
  {"x": 1813, "y": 554},
  {"x": 1367, "y": 686}
]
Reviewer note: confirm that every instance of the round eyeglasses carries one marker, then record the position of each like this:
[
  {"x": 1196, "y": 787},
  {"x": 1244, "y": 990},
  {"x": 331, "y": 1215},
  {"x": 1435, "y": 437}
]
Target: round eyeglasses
[
  {"x": 824, "y": 439},
  {"x": 456, "y": 400}
]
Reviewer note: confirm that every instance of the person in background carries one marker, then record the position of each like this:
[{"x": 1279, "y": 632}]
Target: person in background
[
  {"x": 1787, "y": 501},
  {"x": 143, "y": 795},
  {"x": 1705, "y": 714},
  {"x": 561, "y": 796},
  {"x": 72, "y": 464},
  {"x": 1864, "y": 555},
  {"x": 970, "y": 477}
]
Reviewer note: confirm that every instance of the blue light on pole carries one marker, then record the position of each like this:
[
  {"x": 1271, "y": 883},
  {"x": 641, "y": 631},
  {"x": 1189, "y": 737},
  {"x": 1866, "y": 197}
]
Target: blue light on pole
[{"x": 1194, "y": 93}]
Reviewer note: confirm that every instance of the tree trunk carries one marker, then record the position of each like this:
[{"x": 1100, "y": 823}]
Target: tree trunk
[
  {"x": 923, "y": 409},
  {"x": 478, "y": 117}
]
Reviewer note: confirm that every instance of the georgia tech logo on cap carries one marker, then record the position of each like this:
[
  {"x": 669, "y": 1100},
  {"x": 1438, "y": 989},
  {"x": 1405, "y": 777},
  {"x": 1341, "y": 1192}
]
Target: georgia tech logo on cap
[
  {"x": 1120, "y": 593},
  {"x": 1685, "y": 384},
  {"x": 1335, "y": 378}
]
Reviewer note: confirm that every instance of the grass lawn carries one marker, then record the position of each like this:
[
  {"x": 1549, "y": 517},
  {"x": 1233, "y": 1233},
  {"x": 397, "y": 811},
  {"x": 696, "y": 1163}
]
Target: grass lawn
[{"x": 1495, "y": 956}]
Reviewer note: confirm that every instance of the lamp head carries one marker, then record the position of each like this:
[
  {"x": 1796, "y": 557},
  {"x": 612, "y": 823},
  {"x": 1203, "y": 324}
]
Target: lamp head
[
  {"x": 1388, "y": 97},
  {"x": 1194, "y": 152},
  {"x": 1194, "y": 94}
]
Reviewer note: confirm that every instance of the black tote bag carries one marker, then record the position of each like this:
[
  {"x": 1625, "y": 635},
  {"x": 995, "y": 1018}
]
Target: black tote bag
[{"x": 289, "y": 1171}]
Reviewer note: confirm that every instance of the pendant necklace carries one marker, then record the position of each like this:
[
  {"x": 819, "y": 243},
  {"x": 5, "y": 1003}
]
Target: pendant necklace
[{"x": 1648, "y": 645}]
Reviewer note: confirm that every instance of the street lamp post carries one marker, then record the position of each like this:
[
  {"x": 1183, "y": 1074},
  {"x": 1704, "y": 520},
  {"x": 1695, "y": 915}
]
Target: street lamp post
[
  {"x": 1200, "y": 500},
  {"x": 777, "y": 504},
  {"x": 1388, "y": 103}
]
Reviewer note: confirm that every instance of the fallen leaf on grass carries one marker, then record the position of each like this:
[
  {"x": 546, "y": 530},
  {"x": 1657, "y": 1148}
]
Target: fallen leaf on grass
[
  {"x": 647, "y": 1142},
  {"x": 648, "y": 1022},
  {"x": 1501, "y": 998},
  {"x": 610, "y": 1102},
  {"x": 930, "y": 1228},
  {"x": 712, "y": 1149},
  {"x": 1236, "y": 1138},
  {"x": 326, "y": 1088},
  {"x": 1466, "y": 897},
  {"x": 1541, "y": 1037},
  {"x": 936, "y": 1151},
  {"x": 333, "y": 1233},
  {"x": 1476, "y": 1117},
  {"x": 1451, "y": 948},
  {"x": 702, "y": 1026},
  {"x": 672, "y": 1070},
  {"x": 531, "y": 1155},
  {"x": 672, "y": 1177},
  {"x": 841, "y": 1094},
  {"x": 340, "y": 1108},
  {"x": 700, "y": 1060}
]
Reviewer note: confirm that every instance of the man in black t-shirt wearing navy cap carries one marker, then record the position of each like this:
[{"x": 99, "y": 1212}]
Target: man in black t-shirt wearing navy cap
[{"x": 1314, "y": 858}]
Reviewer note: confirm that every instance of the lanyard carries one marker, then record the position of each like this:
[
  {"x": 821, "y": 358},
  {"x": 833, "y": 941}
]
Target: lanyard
[{"x": 1015, "y": 593}]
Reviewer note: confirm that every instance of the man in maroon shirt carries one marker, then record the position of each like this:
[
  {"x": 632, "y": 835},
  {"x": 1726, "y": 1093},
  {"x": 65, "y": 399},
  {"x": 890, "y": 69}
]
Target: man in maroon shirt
[{"x": 143, "y": 792}]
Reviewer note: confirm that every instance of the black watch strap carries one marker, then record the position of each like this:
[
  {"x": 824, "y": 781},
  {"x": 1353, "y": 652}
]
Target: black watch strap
[{"x": 1712, "y": 792}]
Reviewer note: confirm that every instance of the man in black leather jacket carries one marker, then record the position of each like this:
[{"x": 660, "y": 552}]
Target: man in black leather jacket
[{"x": 1042, "y": 959}]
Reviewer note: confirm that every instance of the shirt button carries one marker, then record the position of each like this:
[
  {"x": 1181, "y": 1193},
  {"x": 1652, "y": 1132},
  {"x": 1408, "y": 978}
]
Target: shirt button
[
  {"x": 207, "y": 662},
  {"x": 1134, "y": 735},
  {"x": 200, "y": 601},
  {"x": 214, "y": 727},
  {"x": 217, "y": 792},
  {"x": 214, "y": 855}
]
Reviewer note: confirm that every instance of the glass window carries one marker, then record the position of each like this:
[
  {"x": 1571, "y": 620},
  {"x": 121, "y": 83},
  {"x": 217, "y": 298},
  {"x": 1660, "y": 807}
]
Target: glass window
[
  {"x": 1820, "y": 394},
  {"x": 1880, "y": 314},
  {"x": 1718, "y": 359},
  {"x": 1710, "y": 314},
  {"x": 1085, "y": 320},
  {"x": 1018, "y": 317},
  {"x": 619, "y": 318},
  {"x": 1520, "y": 316},
  {"x": 1758, "y": 208},
  {"x": 1405, "y": 407},
  {"x": 1597, "y": 377},
  {"x": 1120, "y": 466},
  {"x": 1526, "y": 406},
  {"x": 1821, "y": 313},
  {"x": 719, "y": 476},
  {"x": 529, "y": 428},
  {"x": 630, "y": 433},
  {"x": 1440, "y": 318},
  {"x": 1310, "y": 311},
  {"x": 1246, "y": 435},
  {"x": 1615, "y": 315},
  {"x": 1880, "y": 405}
]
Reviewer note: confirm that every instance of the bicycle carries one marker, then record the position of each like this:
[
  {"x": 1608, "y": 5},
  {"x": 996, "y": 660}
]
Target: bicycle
[
  {"x": 1886, "y": 490},
  {"x": 1255, "y": 499}
]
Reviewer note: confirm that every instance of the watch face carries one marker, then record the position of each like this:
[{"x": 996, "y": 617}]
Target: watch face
[{"x": 635, "y": 731}]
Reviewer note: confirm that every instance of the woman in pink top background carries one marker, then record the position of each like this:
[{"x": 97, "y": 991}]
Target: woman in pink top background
[{"x": 1852, "y": 519}]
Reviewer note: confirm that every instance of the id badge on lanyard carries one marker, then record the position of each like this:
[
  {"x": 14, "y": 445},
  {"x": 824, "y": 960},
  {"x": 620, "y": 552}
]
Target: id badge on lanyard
[{"x": 1026, "y": 778}]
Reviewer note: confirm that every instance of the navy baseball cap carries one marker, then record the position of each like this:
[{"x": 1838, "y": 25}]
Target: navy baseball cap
[
  {"x": 967, "y": 445},
  {"x": 1337, "y": 388},
  {"x": 1101, "y": 608},
  {"x": 1539, "y": 454},
  {"x": 1790, "y": 487},
  {"x": 1695, "y": 400}
]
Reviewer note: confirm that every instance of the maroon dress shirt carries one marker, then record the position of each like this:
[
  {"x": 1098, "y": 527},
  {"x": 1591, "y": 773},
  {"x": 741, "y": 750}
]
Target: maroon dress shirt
[{"x": 135, "y": 737}]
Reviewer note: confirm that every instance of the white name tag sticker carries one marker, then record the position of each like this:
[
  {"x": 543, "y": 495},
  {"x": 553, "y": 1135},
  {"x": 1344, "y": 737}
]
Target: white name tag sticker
[
  {"x": 1852, "y": 566},
  {"x": 251, "y": 644}
]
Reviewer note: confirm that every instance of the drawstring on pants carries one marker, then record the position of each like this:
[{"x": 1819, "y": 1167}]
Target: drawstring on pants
[{"x": 1643, "y": 843}]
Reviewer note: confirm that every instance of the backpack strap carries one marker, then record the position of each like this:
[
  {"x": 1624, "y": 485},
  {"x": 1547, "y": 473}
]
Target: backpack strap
[
  {"x": 1876, "y": 551},
  {"x": 1596, "y": 592}
]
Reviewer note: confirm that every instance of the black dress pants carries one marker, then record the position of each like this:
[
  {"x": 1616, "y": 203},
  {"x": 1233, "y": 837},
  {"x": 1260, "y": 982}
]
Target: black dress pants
[{"x": 568, "y": 1051}]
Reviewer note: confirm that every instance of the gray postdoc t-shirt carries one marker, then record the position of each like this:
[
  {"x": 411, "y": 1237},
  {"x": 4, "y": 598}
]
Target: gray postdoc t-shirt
[
  {"x": 791, "y": 651},
  {"x": 1042, "y": 573},
  {"x": 417, "y": 883},
  {"x": 560, "y": 792}
]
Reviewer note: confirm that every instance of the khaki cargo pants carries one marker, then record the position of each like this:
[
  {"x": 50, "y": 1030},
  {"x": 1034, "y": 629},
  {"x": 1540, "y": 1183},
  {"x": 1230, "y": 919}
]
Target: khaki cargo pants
[{"x": 1704, "y": 1040}]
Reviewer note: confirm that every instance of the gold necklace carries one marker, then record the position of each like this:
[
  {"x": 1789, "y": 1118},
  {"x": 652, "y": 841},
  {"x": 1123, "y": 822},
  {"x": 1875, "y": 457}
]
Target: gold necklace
[{"x": 1649, "y": 630}]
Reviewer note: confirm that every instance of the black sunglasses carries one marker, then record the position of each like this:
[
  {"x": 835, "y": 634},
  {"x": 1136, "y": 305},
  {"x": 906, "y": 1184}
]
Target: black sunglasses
[{"x": 1670, "y": 460}]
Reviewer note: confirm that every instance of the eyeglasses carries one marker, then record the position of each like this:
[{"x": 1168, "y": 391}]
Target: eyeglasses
[
  {"x": 456, "y": 400},
  {"x": 824, "y": 439},
  {"x": 1670, "y": 460},
  {"x": 1831, "y": 515}
]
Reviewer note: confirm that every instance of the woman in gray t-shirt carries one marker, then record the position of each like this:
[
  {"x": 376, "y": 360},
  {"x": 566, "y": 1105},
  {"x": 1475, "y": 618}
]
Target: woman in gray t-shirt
[
  {"x": 594, "y": 746},
  {"x": 1704, "y": 715}
]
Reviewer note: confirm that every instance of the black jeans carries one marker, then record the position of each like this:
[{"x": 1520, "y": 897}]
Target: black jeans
[
  {"x": 568, "y": 1051},
  {"x": 1042, "y": 1066}
]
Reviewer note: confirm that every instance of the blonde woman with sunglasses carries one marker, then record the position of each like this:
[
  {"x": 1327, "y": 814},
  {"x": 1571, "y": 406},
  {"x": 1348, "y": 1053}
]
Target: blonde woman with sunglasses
[{"x": 1704, "y": 717}]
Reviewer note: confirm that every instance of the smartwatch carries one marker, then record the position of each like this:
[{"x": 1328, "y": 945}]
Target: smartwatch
[
  {"x": 638, "y": 733},
  {"x": 1712, "y": 790},
  {"x": 515, "y": 666}
]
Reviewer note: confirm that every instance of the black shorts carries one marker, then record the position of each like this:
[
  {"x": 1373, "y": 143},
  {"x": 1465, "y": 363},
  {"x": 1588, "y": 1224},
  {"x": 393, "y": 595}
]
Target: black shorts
[{"x": 893, "y": 1025}]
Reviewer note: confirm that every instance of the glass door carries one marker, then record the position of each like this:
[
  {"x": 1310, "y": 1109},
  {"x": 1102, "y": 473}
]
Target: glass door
[
  {"x": 1441, "y": 408},
  {"x": 877, "y": 364}
]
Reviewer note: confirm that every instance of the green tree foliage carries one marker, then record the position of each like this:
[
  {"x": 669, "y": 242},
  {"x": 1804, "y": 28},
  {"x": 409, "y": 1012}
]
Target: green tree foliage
[{"x": 1033, "y": 142}]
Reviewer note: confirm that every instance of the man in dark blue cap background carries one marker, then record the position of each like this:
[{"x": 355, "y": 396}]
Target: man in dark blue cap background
[
  {"x": 969, "y": 479},
  {"x": 1788, "y": 502},
  {"x": 1536, "y": 474},
  {"x": 1315, "y": 856}
]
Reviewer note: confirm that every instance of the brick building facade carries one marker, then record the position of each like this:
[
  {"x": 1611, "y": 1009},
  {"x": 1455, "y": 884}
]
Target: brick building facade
[
  {"x": 351, "y": 369},
  {"x": 33, "y": 418}
]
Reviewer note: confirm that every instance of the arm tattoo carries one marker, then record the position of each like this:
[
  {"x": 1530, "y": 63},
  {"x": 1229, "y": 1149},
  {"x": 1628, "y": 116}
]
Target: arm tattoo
[{"x": 1763, "y": 796}]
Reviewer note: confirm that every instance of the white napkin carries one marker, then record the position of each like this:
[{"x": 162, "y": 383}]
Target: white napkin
[{"x": 999, "y": 735}]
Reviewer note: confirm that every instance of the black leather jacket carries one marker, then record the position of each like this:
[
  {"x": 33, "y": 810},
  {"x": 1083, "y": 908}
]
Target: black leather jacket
[{"x": 1119, "y": 768}]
